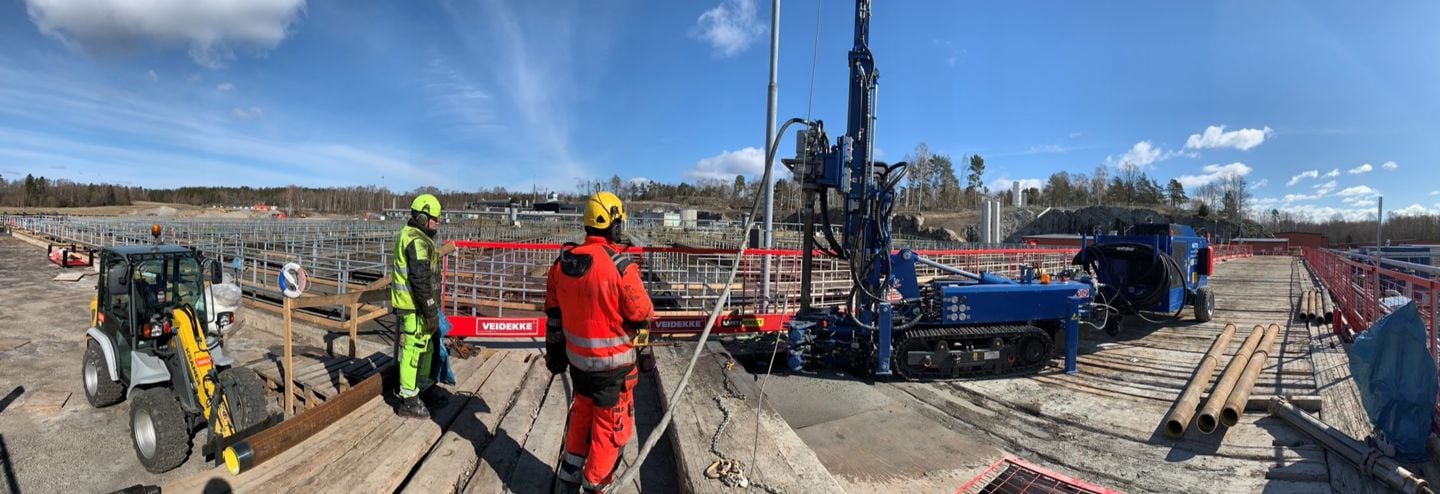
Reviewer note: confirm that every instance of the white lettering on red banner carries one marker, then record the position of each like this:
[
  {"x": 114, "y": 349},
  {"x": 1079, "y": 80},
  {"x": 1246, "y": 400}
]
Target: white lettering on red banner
[{"x": 508, "y": 327}]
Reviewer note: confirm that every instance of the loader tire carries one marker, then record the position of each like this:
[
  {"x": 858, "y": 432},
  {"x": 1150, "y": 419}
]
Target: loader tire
[
  {"x": 101, "y": 388},
  {"x": 245, "y": 393},
  {"x": 158, "y": 430}
]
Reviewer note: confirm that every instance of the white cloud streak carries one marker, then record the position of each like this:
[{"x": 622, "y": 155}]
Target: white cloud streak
[
  {"x": 250, "y": 113},
  {"x": 1214, "y": 173},
  {"x": 225, "y": 87},
  {"x": 1391, "y": 166},
  {"x": 1333, "y": 173},
  {"x": 730, "y": 28},
  {"x": 1216, "y": 137},
  {"x": 156, "y": 135},
  {"x": 1302, "y": 176},
  {"x": 749, "y": 161},
  {"x": 212, "y": 30},
  {"x": 1362, "y": 169}
]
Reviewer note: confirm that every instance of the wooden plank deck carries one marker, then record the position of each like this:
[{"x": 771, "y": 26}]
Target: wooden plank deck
[
  {"x": 1104, "y": 424},
  {"x": 501, "y": 432}
]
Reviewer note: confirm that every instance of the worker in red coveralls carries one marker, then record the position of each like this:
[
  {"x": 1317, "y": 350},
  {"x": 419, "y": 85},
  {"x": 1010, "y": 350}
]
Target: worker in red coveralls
[{"x": 597, "y": 309}]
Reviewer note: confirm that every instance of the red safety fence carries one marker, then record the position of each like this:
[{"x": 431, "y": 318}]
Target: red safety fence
[
  {"x": 1012, "y": 474},
  {"x": 1361, "y": 290},
  {"x": 496, "y": 289},
  {"x": 1225, "y": 252}
]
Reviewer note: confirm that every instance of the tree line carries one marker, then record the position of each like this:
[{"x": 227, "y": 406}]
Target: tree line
[{"x": 41, "y": 192}]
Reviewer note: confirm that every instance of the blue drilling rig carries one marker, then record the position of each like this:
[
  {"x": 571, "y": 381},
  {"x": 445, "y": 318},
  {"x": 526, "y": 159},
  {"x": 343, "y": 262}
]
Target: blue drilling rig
[{"x": 958, "y": 324}]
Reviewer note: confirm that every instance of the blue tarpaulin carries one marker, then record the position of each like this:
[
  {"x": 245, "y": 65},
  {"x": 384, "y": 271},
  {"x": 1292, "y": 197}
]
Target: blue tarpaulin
[
  {"x": 442, "y": 371},
  {"x": 1396, "y": 376}
]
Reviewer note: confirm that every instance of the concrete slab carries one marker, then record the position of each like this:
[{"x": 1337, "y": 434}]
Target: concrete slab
[{"x": 895, "y": 449}]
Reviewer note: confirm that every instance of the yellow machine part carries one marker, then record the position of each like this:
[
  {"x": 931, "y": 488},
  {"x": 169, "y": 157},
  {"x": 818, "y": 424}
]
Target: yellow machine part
[{"x": 197, "y": 361}]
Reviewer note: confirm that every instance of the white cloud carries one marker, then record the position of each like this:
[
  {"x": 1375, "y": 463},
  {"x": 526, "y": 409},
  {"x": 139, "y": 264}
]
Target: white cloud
[
  {"x": 1322, "y": 189},
  {"x": 1411, "y": 210},
  {"x": 1004, "y": 184},
  {"x": 1357, "y": 191},
  {"x": 1289, "y": 198},
  {"x": 1216, "y": 137},
  {"x": 225, "y": 87},
  {"x": 1142, "y": 154},
  {"x": 1263, "y": 182},
  {"x": 1435, "y": 192},
  {"x": 1365, "y": 168},
  {"x": 250, "y": 113},
  {"x": 1302, "y": 176},
  {"x": 460, "y": 106},
  {"x": 1390, "y": 165},
  {"x": 726, "y": 165},
  {"x": 730, "y": 27},
  {"x": 1318, "y": 213},
  {"x": 152, "y": 76},
  {"x": 212, "y": 30},
  {"x": 1214, "y": 173},
  {"x": 1333, "y": 173}
]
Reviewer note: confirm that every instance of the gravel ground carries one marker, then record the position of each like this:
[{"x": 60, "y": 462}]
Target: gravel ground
[{"x": 76, "y": 447}]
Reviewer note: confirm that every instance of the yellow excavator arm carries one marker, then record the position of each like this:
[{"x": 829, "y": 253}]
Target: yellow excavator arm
[{"x": 191, "y": 335}]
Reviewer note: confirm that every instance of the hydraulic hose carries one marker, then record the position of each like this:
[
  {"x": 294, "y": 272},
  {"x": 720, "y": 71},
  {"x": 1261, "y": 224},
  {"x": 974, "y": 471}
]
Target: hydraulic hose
[{"x": 674, "y": 400}]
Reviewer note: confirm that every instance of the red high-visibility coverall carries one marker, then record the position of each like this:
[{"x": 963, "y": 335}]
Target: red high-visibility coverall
[{"x": 595, "y": 299}]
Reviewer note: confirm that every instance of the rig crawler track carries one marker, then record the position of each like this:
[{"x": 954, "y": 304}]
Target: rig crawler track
[{"x": 971, "y": 351}]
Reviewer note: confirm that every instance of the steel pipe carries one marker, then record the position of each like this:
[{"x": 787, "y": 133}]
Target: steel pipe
[
  {"x": 1208, "y": 421},
  {"x": 1370, "y": 460},
  {"x": 1235, "y": 404},
  {"x": 1302, "y": 306},
  {"x": 1179, "y": 418},
  {"x": 269, "y": 443}
]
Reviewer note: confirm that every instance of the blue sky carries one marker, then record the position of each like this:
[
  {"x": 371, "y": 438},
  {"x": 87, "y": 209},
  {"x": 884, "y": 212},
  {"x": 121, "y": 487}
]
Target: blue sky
[{"x": 470, "y": 94}]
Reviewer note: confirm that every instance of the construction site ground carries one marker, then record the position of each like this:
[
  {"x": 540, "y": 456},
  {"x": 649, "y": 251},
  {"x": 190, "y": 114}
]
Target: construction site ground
[{"x": 822, "y": 432}]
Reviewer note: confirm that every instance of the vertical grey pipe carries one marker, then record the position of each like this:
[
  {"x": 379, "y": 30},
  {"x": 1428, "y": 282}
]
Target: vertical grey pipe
[{"x": 767, "y": 234}]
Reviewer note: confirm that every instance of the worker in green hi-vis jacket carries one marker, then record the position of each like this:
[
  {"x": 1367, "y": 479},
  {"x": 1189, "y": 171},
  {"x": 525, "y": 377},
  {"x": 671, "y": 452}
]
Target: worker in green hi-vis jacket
[{"x": 414, "y": 294}]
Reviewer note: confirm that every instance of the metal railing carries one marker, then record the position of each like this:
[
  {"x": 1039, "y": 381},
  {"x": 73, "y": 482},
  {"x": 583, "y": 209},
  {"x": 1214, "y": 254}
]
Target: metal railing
[{"x": 500, "y": 279}]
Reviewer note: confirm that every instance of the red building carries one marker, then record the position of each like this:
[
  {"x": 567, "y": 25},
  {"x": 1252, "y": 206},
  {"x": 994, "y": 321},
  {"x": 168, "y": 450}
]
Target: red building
[
  {"x": 1265, "y": 246},
  {"x": 1054, "y": 240},
  {"x": 1304, "y": 239}
]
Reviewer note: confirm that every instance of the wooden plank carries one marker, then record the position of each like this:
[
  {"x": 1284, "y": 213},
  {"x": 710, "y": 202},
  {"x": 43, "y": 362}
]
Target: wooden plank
[
  {"x": 351, "y": 297},
  {"x": 544, "y": 441},
  {"x": 450, "y": 463},
  {"x": 302, "y": 460},
  {"x": 503, "y": 452},
  {"x": 367, "y": 471}
]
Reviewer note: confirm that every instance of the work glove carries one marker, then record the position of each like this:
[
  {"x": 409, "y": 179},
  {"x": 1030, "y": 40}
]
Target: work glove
[
  {"x": 555, "y": 358},
  {"x": 432, "y": 323}
]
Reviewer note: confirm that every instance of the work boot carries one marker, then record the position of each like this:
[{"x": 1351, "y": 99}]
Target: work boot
[
  {"x": 435, "y": 397},
  {"x": 412, "y": 407}
]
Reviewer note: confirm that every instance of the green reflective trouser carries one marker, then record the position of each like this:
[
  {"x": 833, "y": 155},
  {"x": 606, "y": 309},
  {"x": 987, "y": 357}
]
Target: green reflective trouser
[{"x": 416, "y": 355}]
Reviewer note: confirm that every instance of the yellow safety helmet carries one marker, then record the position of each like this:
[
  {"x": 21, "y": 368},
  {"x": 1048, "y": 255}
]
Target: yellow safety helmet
[
  {"x": 603, "y": 210},
  {"x": 428, "y": 204}
]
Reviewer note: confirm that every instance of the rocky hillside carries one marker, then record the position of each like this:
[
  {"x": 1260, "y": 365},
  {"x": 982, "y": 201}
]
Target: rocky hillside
[{"x": 1106, "y": 219}]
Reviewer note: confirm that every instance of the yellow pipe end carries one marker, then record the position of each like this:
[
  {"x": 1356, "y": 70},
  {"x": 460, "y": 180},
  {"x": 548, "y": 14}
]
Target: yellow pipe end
[{"x": 232, "y": 461}]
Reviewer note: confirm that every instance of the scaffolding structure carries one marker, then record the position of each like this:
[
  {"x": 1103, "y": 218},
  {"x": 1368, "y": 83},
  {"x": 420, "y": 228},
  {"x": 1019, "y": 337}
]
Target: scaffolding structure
[{"x": 500, "y": 267}]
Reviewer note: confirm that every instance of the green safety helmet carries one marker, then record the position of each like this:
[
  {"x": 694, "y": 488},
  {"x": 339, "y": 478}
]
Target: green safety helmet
[{"x": 426, "y": 204}]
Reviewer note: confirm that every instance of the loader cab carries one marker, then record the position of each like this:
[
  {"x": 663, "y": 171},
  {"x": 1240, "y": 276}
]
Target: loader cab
[{"x": 137, "y": 286}]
